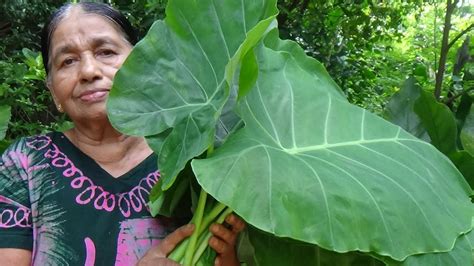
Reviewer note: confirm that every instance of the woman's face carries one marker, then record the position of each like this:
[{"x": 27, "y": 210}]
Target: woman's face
[{"x": 86, "y": 51}]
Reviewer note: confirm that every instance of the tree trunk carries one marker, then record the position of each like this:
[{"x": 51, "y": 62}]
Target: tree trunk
[{"x": 450, "y": 6}]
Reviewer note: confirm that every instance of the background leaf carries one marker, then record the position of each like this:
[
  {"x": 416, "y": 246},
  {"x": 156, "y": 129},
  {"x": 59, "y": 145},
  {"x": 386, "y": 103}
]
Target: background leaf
[
  {"x": 5, "y": 114},
  {"x": 467, "y": 133},
  {"x": 400, "y": 110},
  {"x": 464, "y": 161},
  {"x": 438, "y": 121},
  {"x": 308, "y": 164}
]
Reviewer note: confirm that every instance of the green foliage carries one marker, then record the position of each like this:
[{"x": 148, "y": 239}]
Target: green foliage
[
  {"x": 467, "y": 133},
  {"x": 141, "y": 13},
  {"x": 22, "y": 74},
  {"x": 446, "y": 120},
  {"x": 352, "y": 40},
  {"x": 423, "y": 113},
  {"x": 5, "y": 114},
  {"x": 22, "y": 89},
  {"x": 305, "y": 165},
  {"x": 399, "y": 109}
]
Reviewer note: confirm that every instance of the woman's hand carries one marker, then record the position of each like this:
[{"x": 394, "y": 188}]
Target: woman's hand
[
  {"x": 156, "y": 256},
  {"x": 224, "y": 239}
]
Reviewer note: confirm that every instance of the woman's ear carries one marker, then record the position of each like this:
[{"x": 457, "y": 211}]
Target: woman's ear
[{"x": 56, "y": 101}]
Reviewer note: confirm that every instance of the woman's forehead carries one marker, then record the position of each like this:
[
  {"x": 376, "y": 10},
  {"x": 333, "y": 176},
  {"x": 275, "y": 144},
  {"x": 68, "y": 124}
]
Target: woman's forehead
[{"x": 79, "y": 28}]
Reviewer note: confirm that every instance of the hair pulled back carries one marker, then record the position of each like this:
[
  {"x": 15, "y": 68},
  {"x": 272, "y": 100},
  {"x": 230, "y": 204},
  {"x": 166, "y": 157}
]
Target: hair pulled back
[{"x": 100, "y": 9}]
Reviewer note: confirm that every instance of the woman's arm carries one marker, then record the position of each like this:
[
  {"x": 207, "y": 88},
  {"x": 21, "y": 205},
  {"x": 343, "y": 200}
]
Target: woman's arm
[{"x": 15, "y": 257}]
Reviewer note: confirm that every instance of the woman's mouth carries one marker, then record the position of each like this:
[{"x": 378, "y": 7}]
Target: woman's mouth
[{"x": 94, "y": 96}]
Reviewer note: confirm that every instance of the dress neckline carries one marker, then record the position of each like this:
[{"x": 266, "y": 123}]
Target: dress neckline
[{"x": 79, "y": 157}]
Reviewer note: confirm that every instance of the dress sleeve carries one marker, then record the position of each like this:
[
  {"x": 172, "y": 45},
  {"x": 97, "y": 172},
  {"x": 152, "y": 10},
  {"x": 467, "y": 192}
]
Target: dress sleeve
[{"x": 15, "y": 207}]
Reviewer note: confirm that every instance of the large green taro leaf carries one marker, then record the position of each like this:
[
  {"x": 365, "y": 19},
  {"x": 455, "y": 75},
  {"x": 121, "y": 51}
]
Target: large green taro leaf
[
  {"x": 460, "y": 255},
  {"x": 178, "y": 76},
  {"x": 275, "y": 251},
  {"x": 310, "y": 166}
]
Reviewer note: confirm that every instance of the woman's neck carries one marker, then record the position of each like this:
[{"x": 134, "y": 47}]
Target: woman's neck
[{"x": 114, "y": 152}]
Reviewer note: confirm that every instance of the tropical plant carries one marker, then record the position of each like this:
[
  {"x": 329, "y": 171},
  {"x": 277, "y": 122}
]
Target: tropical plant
[
  {"x": 285, "y": 150},
  {"x": 438, "y": 108}
]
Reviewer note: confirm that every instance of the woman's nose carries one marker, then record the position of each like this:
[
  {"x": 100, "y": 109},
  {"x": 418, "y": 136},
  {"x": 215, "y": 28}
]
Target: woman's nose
[{"x": 90, "y": 69}]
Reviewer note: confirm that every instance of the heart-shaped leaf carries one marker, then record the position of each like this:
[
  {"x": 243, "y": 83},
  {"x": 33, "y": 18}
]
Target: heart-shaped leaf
[
  {"x": 179, "y": 76},
  {"x": 312, "y": 167},
  {"x": 460, "y": 255},
  {"x": 271, "y": 250}
]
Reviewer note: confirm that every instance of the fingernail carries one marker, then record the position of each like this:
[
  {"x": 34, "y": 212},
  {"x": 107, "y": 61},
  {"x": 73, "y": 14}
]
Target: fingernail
[{"x": 213, "y": 227}]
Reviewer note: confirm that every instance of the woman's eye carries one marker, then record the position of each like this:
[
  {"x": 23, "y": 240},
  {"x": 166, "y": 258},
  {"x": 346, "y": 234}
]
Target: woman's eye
[
  {"x": 106, "y": 52},
  {"x": 68, "y": 62}
]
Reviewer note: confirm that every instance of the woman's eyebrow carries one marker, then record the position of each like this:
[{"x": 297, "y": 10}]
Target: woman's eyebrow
[
  {"x": 64, "y": 49},
  {"x": 99, "y": 41},
  {"x": 95, "y": 42}
]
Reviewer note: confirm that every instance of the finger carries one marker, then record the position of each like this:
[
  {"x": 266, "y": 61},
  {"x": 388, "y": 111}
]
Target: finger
[
  {"x": 220, "y": 231},
  {"x": 237, "y": 223},
  {"x": 218, "y": 245},
  {"x": 172, "y": 240}
]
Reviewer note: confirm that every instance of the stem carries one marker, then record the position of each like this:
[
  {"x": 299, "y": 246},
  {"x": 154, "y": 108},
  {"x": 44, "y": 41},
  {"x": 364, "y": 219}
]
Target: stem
[
  {"x": 466, "y": 30},
  {"x": 454, "y": 97},
  {"x": 188, "y": 256},
  {"x": 211, "y": 216},
  {"x": 203, "y": 243},
  {"x": 178, "y": 253},
  {"x": 204, "y": 239}
]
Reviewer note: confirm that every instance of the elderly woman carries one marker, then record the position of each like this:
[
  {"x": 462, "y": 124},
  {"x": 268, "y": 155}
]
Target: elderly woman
[{"x": 79, "y": 197}]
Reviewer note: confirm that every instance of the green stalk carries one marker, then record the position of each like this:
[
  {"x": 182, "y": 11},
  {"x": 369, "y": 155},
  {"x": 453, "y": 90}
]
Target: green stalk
[
  {"x": 185, "y": 251},
  {"x": 188, "y": 256},
  {"x": 204, "y": 239},
  {"x": 203, "y": 243},
  {"x": 210, "y": 216},
  {"x": 178, "y": 253}
]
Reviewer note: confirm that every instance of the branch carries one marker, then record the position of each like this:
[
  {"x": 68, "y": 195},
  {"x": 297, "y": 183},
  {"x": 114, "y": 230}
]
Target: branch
[
  {"x": 454, "y": 97},
  {"x": 451, "y": 43},
  {"x": 450, "y": 6}
]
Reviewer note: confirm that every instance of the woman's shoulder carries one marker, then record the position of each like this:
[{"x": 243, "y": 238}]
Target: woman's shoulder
[{"x": 31, "y": 143}]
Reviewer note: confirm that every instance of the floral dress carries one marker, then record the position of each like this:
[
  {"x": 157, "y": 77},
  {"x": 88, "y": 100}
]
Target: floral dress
[{"x": 59, "y": 203}]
